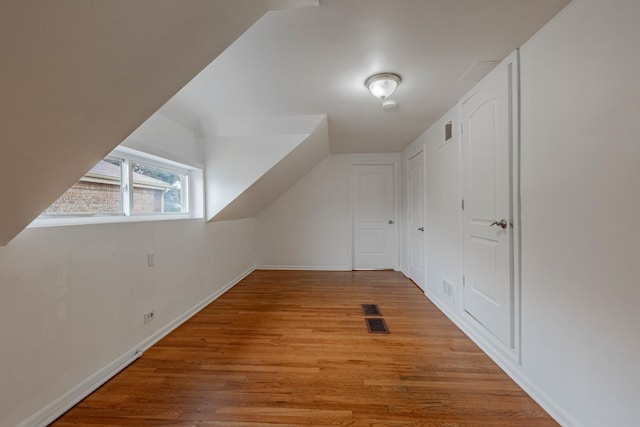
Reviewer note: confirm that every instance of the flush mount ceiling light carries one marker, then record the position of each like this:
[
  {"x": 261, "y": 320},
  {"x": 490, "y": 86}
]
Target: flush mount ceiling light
[{"x": 382, "y": 85}]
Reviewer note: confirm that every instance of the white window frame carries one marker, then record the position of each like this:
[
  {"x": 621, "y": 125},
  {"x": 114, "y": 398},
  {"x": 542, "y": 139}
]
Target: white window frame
[{"x": 193, "y": 196}]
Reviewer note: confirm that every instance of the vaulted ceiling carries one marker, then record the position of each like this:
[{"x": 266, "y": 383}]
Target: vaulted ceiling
[
  {"x": 79, "y": 76},
  {"x": 315, "y": 61}
]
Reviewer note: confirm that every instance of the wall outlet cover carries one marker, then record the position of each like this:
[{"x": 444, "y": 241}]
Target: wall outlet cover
[{"x": 148, "y": 317}]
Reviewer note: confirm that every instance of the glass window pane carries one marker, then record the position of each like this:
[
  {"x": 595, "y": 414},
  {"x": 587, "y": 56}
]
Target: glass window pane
[
  {"x": 97, "y": 193},
  {"x": 157, "y": 190}
]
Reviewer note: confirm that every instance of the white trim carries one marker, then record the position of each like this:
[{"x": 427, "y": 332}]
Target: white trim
[
  {"x": 65, "y": 402},
  {"x": 105, "y": 219},
  {"x": 55, "y": 409},
  {"x": 305, "y": 267},
  {"x": 161, "y": 158},
  {"x": 515, "y": 206},
  {"x": 515, "y": 352},
  {"x": 513, "y": 370},
  {"x": 394, "y": 159},
  {"x": 194, "y": 196},
  {"x": 422, "y": 150},
  {"x": 163, "y": 332}
]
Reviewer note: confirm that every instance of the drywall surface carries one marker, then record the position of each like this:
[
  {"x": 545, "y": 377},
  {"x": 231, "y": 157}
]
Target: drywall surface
[
  {"x": 161, "y": 136},
  {"x": 81, "y": 76},
  {"x": 236, "y": 162},
  {"x": 580, "y": 231},
  {"x": 308, "y": 225},
  {"x": 580, "y": 133},
  {"x": 442, "y": 205},
  {"x": 72, "y": 298},
  {"x": 247, "y": 173}
]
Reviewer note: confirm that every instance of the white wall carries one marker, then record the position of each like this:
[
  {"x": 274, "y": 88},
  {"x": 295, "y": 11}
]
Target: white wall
[
  {"x": 308, "y": 225},
  {"x": 279, "y": 176},
  {"x": 580, "y": 149},
  {"x": 161, "y": 136},
  {"x": 236, "y": 162},
  {"x": 442, "y": 205},
  {"x": 77, "y": 90},
  {"x": 72, "y": 298},
  {"x": 580, "y": 232},
  {"x": 250, "y": 161}
]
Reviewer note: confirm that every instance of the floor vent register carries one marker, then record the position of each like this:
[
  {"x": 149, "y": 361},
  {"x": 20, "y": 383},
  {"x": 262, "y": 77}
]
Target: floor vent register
[{"x": 375, "y": 324}]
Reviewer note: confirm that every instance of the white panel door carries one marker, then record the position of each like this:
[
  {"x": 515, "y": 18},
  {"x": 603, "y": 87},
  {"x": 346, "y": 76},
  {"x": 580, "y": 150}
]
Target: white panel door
[
  {"x": 487, "y": 253},
  {"x": 374, "y": 216},
  {"x": 416, "y": 219}
]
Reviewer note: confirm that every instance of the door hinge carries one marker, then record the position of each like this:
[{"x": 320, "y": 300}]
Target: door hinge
[
  {"x": 461, "y": 127},
  {"x": 463, "y": 280},
  {"x": 462, "y": 204}
]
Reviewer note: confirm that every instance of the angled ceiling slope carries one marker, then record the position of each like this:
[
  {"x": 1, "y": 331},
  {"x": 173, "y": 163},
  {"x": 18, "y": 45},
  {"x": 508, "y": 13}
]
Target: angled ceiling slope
[
  {"x": 78, "y": 77},
  {"x": 251, "y": 162},
  {"x": 315, "y": 61}
]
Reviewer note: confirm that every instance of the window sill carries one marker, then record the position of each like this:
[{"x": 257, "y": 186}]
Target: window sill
[{"x": 62, "y": 222}]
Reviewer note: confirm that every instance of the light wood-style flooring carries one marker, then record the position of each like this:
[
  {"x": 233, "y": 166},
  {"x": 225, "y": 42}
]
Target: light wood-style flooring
[{"x": 291, "y": 348}]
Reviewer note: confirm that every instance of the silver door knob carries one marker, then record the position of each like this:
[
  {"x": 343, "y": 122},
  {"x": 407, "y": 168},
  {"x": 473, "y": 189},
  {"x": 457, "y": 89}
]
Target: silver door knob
[
  {"x": 502, "y": 223},
  {"x": 420, "y": 228},
  {"x": 390, "y": 221}
]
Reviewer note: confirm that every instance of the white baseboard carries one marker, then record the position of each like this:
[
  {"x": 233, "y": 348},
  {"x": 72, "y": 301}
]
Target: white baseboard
[
  {"x": 65, "y": 402},
  {"x": 163, "y": 332},
  {"x": 305, "y": 267},
  {"x": 53, "y": 410},
  {"x": 507, "y": 365}
]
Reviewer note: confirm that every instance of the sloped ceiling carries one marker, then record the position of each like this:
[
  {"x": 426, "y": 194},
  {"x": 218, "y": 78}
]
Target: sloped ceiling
[
  {"x": 315, "y": 61},
  {"x": 246, "y": 172},
  {"x": 79, "y": 76}
]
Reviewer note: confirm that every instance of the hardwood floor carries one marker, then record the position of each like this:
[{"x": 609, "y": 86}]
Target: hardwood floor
[{"x": 291, "y": 348}]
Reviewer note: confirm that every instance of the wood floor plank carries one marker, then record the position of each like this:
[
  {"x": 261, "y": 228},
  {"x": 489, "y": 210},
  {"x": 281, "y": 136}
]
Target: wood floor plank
[{"x": 291, "y": 348}]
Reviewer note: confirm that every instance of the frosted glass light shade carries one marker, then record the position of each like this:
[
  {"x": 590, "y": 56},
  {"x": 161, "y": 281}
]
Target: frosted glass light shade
[{"x": 382, "y": 85}]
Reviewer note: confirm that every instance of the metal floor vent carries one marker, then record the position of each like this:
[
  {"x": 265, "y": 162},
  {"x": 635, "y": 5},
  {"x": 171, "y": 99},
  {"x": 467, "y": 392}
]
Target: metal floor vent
[
  {"x": 377, "y": 326},
  {"x": 371, "y": 310}
]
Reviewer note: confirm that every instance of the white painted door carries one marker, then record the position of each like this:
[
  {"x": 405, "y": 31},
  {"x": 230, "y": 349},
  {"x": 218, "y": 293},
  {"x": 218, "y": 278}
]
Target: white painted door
[
  {"x": 416, "y": 219},
  {"x": 488, "y": 240},
  {"x": 374, "y": 216}
]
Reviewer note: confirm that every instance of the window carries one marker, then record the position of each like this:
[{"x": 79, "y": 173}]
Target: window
[
  {"x": 157, "y": 190},
  {"x": 97, "y": 193},
  {"x": 125, "y": 184}
]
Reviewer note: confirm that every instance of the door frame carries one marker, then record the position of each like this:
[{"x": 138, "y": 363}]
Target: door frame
[
  {"x": 514, "y": 353},
  {"x": 392, "y": 159},
  {"x": 424, "y": 217}
]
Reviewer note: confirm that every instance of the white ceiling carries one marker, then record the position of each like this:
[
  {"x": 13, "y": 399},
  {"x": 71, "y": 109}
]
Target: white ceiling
[
  {"x": 79, "y": 76},
  {"x": 315, "y": 61}
]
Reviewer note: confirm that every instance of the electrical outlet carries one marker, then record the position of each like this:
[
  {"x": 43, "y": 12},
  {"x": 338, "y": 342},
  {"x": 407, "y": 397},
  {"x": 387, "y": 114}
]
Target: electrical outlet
[
  {"x": 148, "y": 317},
  {"x": 151, "y": 259}
]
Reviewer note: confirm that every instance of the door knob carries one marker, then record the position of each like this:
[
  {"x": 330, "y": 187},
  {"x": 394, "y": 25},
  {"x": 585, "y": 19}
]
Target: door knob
[
  {"x": 421, "y": 228},
  {"x": 502, "y": 223},
  {"x": 390, "y": 221}
]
